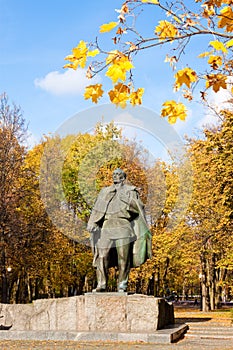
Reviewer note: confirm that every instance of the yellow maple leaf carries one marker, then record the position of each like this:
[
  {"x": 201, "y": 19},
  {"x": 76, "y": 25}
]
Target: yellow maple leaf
[
  {"x": 136, "y": 97},
  {"x": 229, "y": 43},
  {"x": 226, "y": 19},
  {"x": 93, "y": 53},
  {"x": 216, "y": 81},
  {"x": 156, "y": 2},
  {"x": 94, "y": 92},
  {"x": 119, "y": 65},
  {"x": 215, "y": 61},
  {"x": 107, "y": 27},
  {"x": 119, "y": 95},
  {"x": 79, "y": 56},
  {"x": 205, "y": 54},
  {"x": 185, "y": 76},
  {"x": 166, "y": 30},
  {"x": 113, "y": 55},
  {"x": 218, "y": 45},
  {"x": 173, "y": 111}
]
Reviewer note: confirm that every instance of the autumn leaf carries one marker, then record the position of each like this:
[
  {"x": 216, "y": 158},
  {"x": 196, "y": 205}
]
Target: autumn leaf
[
  {"x": 79, "y": 56},
  {"x": 174, "y": 110},
  {"x": 166, "y": 30},
  {"x": 119, "y": 95},
  {"x": 215, "y": 61},
  {"x": 136, "y": 97},
  {"x": 156, "y": 2},
  {"x": 226, "y": 19},
  {"x": 205, "y": 54},
  {"x": 218, "y": 45},
  {"x": 93, "y": 53},
  {"x": 216, "y": 81},
  {"x": 185, "y": 76},
  {"x": 94, "y": 92},
  {"x": 229, "y": 43},
  {"x": 107, "y": 27},
  {"x": 119, "y": 66}
]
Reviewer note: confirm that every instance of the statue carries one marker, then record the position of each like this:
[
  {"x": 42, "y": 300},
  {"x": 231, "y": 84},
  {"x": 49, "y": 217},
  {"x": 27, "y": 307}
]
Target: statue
[{"x": 119, "y": 232}]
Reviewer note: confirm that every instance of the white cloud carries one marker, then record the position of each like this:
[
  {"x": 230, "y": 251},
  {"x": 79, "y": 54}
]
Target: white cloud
[
  {"x": 70, "y": 82},
  {"x": 218, "y": 101},
  {"x": 31, "y": 140},
  {"x": 128, "y": 118}
]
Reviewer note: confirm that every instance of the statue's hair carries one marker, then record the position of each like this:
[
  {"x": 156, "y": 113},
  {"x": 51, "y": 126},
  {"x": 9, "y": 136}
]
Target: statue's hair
[{"x": 122, "y": 171}]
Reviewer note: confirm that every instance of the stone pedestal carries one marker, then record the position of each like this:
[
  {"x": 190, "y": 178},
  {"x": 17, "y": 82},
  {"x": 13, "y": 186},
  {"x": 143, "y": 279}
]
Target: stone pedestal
[{"x": 93, "y": 312}]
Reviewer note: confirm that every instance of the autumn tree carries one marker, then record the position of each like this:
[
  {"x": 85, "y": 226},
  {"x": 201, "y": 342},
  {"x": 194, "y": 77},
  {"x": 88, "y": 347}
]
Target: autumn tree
[
  {"x": 210, "y": 212},
  {"x": 179, "y": 24},
  {"x": 12, "y": 153}
]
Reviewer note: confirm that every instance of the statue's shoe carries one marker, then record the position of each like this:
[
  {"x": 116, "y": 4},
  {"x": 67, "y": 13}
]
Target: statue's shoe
[{"x": 5, "y": 328}]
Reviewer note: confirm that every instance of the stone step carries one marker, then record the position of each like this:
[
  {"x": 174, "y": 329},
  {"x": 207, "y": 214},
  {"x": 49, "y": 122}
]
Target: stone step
[
  {"x": 167, "y": 335},
  {"x": 208, "y": 336},
  {"x": 199, "y": 331}
]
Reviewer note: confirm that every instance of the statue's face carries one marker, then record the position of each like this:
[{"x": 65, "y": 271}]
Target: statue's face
[{"x": 118, "y": 176}]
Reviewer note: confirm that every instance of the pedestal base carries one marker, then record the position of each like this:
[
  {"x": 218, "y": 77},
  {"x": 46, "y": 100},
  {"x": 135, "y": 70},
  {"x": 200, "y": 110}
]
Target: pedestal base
[{"x": 93, "y": 316}]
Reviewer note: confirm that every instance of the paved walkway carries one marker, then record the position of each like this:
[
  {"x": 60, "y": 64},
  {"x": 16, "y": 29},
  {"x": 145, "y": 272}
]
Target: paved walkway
[{"x": 185, "y": 344}]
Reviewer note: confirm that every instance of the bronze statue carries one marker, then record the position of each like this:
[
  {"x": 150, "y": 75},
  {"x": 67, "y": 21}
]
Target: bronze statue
[{"x": 119, "y": 232}]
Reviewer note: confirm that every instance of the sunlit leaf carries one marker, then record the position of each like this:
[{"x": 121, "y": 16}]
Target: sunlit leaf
[
  {"x": 120, "y": 65},
  {"x": 136, "y": 97},
  {"x": 173, "y": 111},
  {"x": 185, "y": 76},
  {"x": 218, "y": 45},
  {"x": 216, "y": 81},
  {"x": 93, "y": 92},
  {"x": 107, "y": 27},
  {"x": 156, "y": 2},
  {"x": 119, "y": 95},
  {"x": 226, "y": 19},
  {"x": 93, "y": 53},
  {"x": 166, "y": 30}
]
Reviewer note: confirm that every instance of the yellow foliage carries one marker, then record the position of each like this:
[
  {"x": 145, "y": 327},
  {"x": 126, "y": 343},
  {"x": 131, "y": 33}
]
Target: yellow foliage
[
  {"x": 229, "y": 43},
  {"x": 208, "y": 11},
  {"x": 79, "y": 56},
  {"x": 107, "y": 27},
  {"x": 218, "y": 45},
  {"x": 136, "y": 97},
  {"x": 217, "y": 3},
  {"x": 93, "y": 53},
  {"x": 185, "y": 76},
  {"x": 215, "y": 61},
  {"x": 166, "y": 30},
  {"x": 216, "y": 81},
  {"x": 226, "y": 19},
  {"x": 119, "y": 95},
  {"x": 174, "y": 110},
  {"x": 119, "y": 65},
  {"x": 205, "y": 54},
  {"x": 156, "y": 2},
  {"x": 94, "y": 92}
]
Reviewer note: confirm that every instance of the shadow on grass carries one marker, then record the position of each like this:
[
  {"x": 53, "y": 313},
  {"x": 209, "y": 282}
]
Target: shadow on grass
[{"x": 179, "y": 320}]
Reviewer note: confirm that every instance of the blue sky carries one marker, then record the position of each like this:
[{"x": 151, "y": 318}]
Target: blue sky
[{"x": 37, "y": 35}]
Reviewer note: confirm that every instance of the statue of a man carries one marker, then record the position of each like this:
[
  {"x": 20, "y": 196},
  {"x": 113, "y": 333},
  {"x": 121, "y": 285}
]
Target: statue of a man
[{"x": 119, "y": 232}]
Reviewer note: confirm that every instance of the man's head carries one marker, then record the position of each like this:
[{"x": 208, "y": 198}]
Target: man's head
[{"x": 118, "y": 176}]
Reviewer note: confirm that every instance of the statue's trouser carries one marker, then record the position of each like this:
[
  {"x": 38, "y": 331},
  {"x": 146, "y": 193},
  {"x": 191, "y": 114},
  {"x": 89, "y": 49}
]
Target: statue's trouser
[{"x": 123, "y": 255}]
